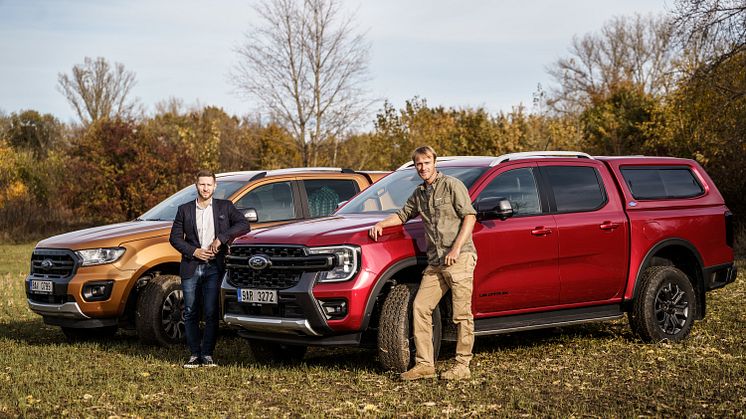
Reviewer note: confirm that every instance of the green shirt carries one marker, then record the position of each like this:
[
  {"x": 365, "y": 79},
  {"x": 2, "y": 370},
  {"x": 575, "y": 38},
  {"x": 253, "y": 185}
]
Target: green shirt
[{"x": 443, "y": 206}]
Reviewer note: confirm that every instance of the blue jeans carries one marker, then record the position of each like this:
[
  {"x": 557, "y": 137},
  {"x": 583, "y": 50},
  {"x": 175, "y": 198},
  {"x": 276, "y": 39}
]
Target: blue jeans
[{"x": 203, "y": 287}]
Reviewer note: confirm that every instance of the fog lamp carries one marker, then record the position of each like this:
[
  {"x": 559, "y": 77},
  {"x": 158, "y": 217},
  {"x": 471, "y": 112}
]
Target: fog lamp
[
  {"x": 97, "y": 291},
  {"x": 334, "y": 309}
]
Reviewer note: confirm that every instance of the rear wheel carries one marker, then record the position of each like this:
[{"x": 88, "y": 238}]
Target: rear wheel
[
  {"x": 272, "y": 352},
  {"x": 160, "y": 311},
  {"x": 665, "y": 307},
  {"x": 95, "y": 333},
  {"x": 396, "y": 348}
]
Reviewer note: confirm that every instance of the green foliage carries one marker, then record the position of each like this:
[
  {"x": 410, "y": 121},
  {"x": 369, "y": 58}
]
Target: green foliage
[{"x": 614, "y": 122}]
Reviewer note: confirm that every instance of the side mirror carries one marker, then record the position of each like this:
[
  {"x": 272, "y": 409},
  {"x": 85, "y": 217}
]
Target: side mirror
[
  {"x": 340, "y": 205},
  {"x": 251, "y": 215},
  {"x": 492, "y": 208}
]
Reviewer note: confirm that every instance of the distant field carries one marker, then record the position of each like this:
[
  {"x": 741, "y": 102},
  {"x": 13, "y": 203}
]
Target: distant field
[{"x": 590, "y": 370}]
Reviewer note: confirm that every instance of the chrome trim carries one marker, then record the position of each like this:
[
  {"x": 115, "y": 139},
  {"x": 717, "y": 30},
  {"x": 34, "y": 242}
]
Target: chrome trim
[
  {"x": 66, "y": 310},
  {"x": 546, "y": 325},
  {"x": 271, "y": 324}
]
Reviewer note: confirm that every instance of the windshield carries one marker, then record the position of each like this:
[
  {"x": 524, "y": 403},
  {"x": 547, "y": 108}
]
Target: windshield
[
  {"x": 390, "y": 193},
  {"x": 166, "y": 210}
]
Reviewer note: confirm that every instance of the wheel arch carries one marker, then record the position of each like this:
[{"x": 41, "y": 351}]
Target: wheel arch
[
  {"x": 681, "y": 254},
  {"x": 145, "y": 274},
  {"x": 405, "y": 271}
]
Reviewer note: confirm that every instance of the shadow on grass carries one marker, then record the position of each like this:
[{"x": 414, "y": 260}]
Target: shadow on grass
[
  {"x": 546, "y": 337},
  {"x": 231, "y": 350}
]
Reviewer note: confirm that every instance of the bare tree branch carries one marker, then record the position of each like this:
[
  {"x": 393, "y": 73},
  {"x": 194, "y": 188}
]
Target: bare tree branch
[
  {"x": 96, "y": 90},
  {"x": 307, "y": 66},
  {"x": 639, "y": 51}
]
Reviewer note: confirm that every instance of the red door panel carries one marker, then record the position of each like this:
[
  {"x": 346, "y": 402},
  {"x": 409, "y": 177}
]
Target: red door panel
[{"x": 516, "y": 269}]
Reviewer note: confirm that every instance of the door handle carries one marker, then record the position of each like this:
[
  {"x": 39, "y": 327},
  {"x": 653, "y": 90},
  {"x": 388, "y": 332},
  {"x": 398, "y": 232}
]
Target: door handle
[
  {"x": 608, "y": 225},
  {"x": 541, "y": 231}
]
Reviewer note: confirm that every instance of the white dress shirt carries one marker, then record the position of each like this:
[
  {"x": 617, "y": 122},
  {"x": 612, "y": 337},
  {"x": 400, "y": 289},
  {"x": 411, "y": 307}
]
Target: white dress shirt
[{"x": 205, "y": 225}]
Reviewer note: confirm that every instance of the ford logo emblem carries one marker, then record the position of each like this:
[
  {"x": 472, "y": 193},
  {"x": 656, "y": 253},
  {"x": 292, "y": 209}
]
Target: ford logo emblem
[
  {"x": 259, "y": 262},
  {"x": 47, "y": 264}
]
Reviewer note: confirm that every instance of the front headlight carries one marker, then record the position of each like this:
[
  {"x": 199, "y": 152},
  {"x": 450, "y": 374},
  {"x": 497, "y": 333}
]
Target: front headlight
[
  {"x": 346, "y": 262},
  {"x": 90, "y": 257}
]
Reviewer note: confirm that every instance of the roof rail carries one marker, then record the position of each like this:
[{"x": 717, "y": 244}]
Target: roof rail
[
  {"x": 311, "y": 169},
  {"x": 445, "y": 158},
  {"x": 532, "y": 154},
  {"x": 258, "y": 176}
]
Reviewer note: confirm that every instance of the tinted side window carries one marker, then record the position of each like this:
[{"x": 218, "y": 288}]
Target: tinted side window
[
  {"x": 575, "y": 188},
  {"x": 519, "y": 187},
  {"x": 273, "y": 202},
  {"x": 661, "y": 182},
  {"x": 324, "y": 195}
]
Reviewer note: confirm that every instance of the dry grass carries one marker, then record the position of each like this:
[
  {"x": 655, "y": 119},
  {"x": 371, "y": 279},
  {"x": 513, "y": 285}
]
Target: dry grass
[{"x": 592, "y": 370}]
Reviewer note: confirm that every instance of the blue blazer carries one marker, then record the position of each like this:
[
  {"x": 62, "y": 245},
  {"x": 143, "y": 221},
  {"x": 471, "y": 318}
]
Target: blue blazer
[{"x": 229, "y": 224}]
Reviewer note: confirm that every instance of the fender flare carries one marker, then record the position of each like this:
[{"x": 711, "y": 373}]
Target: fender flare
[
  {"x": 699, "y": 268},
  {"x": 384, "y": 279}
]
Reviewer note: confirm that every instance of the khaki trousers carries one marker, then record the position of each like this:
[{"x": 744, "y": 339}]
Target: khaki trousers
[{"x": 436, "y": 281}]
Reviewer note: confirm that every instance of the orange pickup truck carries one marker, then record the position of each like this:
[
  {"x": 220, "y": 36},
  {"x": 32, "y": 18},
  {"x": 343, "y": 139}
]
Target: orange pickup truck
[{"x": 91, "y": 282}]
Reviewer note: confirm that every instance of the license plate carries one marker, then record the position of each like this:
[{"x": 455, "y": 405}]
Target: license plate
[
  {"x": 41, "y": 287},
  {"x": 250, "y": 295}
]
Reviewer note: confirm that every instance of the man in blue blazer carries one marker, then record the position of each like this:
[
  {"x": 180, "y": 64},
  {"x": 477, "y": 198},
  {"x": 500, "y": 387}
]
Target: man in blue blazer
[{"x": 201, "y": 232}]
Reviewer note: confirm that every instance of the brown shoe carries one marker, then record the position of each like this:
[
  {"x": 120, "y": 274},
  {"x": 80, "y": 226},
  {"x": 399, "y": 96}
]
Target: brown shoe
[
  {"x": 458, "y": 372},
  {"x": 419, "y": 371}
]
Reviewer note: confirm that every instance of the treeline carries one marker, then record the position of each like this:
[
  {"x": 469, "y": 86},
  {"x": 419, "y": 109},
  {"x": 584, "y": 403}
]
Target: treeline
[{"x": 636, "y": 87}]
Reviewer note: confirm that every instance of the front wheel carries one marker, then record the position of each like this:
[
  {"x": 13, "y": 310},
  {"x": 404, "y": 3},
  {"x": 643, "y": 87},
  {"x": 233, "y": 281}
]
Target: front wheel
[
  {"x": 396, "y": 348},
  {"x": 665, "y": 307},
  {"x": 160, "y": 311}
]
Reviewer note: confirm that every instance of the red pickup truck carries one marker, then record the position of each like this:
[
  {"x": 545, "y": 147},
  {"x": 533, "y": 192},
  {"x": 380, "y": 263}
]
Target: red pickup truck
[{"x": 562, "y": 238}]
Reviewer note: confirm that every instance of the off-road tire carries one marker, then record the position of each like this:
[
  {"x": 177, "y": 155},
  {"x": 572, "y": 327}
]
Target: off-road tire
[
  {"x": 159, "y": 317},
  {"x": 396, "y": 348},
  {"x": 665, "y": 307},
  {"x": 276, "y": 353},
  {"x": 75, "y": 334}
]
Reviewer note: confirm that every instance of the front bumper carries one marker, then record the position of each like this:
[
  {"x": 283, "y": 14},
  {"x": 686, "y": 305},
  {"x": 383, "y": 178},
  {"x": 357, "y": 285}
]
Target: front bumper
[
  {"x": 271, "y": 324},
  {"x": 68, "y": 315},
  {"x": 297, "y": 313},
  {"x": 66, "y": 302},
  {"x": 65, "y": 310}
]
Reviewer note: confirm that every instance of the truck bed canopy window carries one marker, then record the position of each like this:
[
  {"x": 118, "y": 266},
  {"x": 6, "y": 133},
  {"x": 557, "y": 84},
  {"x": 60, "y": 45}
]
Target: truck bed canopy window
[{"x": 661, "y": 182}]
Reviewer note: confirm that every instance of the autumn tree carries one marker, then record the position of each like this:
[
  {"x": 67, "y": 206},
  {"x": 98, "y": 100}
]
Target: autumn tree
[
  {"x": 719, "y": 26},
  {"x": 306, "y": 64},
  {"x": 464, "y": 131},
  {"x": 97, "y": 89},
  {"x": 615, "y": 122},
  {"x": 33, "y": 131},
  {"x": 639, "y": 51},
  {"x": 707, "y": 123}
]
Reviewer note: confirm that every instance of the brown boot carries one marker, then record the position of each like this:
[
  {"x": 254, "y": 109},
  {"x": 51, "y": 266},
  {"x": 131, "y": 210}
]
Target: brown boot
[
  {"x": 419, "y": 371},
  {"x": 458, "y": 372}
]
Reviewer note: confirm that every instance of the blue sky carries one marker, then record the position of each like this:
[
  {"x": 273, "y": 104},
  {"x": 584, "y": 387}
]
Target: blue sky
[{"x": 452, "y": 53}]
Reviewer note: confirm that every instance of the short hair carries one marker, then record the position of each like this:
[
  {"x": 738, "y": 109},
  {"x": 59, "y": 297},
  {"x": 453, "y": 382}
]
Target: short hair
[
  {"x": 204, "y": 173},
  {"x": 424, "y": 150}
]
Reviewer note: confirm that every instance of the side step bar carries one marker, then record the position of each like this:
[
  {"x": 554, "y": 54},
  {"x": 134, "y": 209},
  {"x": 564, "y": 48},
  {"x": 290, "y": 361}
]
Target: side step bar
[{"x": 547, "y": 319}]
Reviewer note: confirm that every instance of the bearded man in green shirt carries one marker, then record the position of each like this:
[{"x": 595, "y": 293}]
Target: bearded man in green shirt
[{"x": 445, "y": 207}]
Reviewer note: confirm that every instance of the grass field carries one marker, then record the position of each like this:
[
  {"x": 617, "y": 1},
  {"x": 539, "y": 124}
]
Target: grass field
[{"x": 590, "y": 370}]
